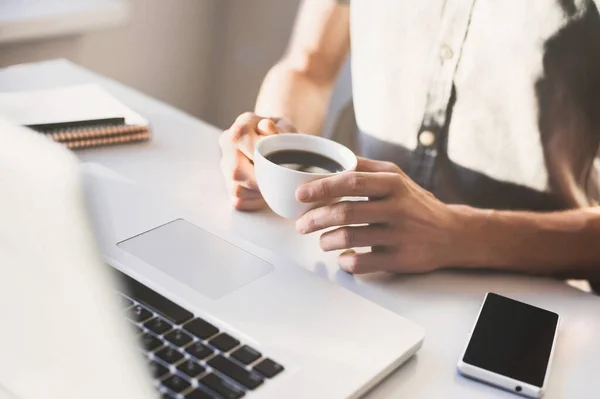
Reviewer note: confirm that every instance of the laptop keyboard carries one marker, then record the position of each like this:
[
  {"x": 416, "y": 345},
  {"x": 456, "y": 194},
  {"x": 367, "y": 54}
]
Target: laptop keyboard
[{"x": 188, "y": 356}]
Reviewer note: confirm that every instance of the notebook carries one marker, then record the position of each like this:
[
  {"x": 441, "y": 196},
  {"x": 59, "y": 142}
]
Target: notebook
[{"x": 77, "y": 116}]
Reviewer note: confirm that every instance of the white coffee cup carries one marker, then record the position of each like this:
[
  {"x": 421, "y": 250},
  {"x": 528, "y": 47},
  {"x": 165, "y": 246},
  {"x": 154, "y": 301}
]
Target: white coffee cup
[{"x": 278, "y": 183}]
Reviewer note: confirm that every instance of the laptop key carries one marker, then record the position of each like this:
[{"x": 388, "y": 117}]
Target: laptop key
[
  {"x": 246, "y": 355},
  {"x": 191, "y": 368},
  {"x": 169, "y": 355},
  {"x": 198, "y": 394},
  {"x": 158, "y": 326},
  {"x": 161, "y": 305},
  {"x": 179, "y": 337},
  {"x": 223, "y": 387},
  {"x": 158, "y": 370},
  {"x": 150, "y": 342},
  {"x": 139, "y": 314},
  {"x": 224, "y": 342},
  {"x": 166, "y": 396},
  {"x": 176, "y": 383},
  {"x": 201, "y": 328},
  {"x": 199, "y": 350},
  {"x": 269, "y": 368},
  {"x": 249, "y": 379}
]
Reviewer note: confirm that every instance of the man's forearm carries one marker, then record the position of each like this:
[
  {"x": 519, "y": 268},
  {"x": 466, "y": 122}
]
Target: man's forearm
[
  {"x": 561, "y": 243},
  {"x": 299, "y": 87},
  {"x": 292, "y": 94}
]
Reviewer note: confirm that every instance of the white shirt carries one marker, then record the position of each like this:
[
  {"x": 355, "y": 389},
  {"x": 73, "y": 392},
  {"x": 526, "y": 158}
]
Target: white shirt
[{"x": 494, "y": 103}]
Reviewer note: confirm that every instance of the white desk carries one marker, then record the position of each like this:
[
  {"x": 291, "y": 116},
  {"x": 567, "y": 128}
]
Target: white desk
[{"x": 182, "y": 161}]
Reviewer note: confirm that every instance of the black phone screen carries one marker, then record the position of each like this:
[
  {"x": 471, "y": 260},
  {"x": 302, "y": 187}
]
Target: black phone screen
[{"x": 513, "y": 339}]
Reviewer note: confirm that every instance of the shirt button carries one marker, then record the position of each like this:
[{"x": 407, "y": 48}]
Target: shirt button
[
  {"x": 446, "y": 52},
  {"x": 427, "y": 138}
]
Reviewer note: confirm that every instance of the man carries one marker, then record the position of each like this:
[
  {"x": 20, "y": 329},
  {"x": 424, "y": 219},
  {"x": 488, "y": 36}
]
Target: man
[{"x": 486, "y": 113}]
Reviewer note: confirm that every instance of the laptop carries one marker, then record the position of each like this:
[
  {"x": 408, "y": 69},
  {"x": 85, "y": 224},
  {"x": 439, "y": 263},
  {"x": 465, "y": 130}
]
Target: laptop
[{"x": 112, "y": 291}]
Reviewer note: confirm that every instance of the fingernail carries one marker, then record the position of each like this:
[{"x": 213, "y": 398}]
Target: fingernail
[
  {"x": 344, "y": 262},
  {"x": 347, "y": 254},
  {"x": 345, "y": 259},
  {"x": 300, "y": 227},
  {"x": 302, "y": 193},
  {"x": 267, "y": 126}
]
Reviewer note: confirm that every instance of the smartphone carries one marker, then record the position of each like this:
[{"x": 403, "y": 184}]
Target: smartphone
[{"x": 511, "y": 346}]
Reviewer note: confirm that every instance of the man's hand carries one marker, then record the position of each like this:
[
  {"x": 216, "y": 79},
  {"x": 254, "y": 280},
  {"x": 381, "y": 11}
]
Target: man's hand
[
  {"x": 237, "y": 152},
  {"x": 408, "y": 229}
]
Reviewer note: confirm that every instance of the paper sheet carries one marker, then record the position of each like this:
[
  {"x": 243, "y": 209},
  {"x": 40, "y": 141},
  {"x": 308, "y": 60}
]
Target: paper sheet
[{"x": 65, "y": 104}]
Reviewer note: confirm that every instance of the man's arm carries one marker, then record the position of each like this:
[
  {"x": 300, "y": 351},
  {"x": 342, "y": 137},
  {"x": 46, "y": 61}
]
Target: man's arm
[
  {"x": 294, "y": 96},
  {"x": 299, "y": 87},
  {"x": 411, "y": 231},
  {"x": 559, "y": 243}
]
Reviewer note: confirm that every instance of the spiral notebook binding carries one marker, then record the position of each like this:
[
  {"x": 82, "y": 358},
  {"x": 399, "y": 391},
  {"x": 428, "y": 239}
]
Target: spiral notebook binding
[
  {"x": 73, "y": 134},
  {"x": 104, "y": 141},
  {"x": 84, "y": 137}
]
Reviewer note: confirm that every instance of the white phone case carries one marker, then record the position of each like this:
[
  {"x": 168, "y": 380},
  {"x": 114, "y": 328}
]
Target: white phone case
[{"x": 502, "y": 381}]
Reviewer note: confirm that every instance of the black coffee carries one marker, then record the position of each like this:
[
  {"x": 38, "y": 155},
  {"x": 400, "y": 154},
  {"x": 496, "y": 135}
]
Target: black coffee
[{"x": 305, "y": 161}]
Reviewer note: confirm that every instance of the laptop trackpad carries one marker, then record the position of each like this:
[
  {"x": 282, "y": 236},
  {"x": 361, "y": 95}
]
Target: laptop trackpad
[{"x": 197, "y": 258}]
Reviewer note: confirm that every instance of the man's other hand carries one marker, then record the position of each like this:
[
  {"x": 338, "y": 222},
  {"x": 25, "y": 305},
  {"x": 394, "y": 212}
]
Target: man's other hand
[
  {"x": 237, "y": 153},
  {"x": 407, "y": 228}
]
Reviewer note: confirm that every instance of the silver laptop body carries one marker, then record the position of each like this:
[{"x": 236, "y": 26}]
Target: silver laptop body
[{"x": 256, "y": 325}]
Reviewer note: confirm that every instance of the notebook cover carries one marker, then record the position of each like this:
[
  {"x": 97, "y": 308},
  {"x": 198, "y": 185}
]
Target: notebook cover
[{"x": 77, "y": 116}]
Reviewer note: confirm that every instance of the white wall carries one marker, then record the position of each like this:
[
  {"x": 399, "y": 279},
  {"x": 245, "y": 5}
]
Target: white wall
[
  {"x": 162, "y": 51},
  {"x": 207, "y": 57},
  {"x": 253, "y": 37}
]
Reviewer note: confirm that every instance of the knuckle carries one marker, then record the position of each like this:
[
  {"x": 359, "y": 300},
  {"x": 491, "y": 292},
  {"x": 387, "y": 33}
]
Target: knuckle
[
  {"x": 395, "y": 182},
  {"x": 246, "y": 116},
  {"x": 391, "y": 167},
  {"x": 242, "y": 204},
  {"x": 312, "y": 222},
  {"x": 236, "y": 132},
  {"x": 344, "y": 213},
  {"x": 323, "y": 188},
  {"x": 356, "y": 182},
  {"x": 347, "y": 237},
  {"x": 237, "y": 203},
  {"x": 237, "y": 190},
  {"x": 236, "y": 174}
]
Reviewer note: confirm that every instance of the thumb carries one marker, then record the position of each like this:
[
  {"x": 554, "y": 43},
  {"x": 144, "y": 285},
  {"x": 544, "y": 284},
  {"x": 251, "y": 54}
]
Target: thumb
[{"x": 267, "y": 127}]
